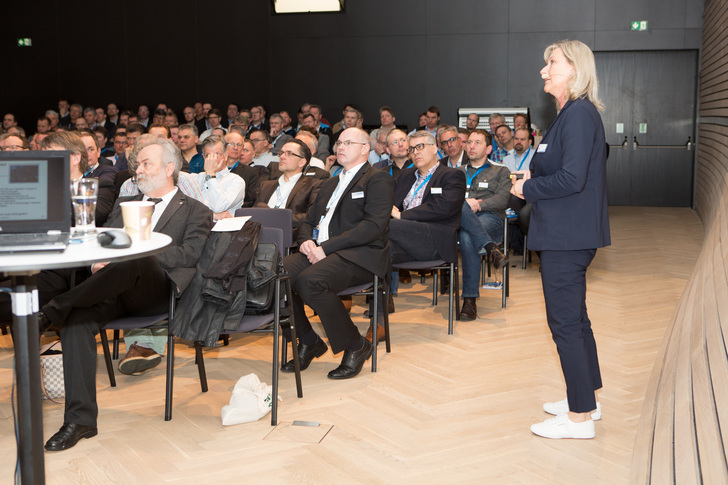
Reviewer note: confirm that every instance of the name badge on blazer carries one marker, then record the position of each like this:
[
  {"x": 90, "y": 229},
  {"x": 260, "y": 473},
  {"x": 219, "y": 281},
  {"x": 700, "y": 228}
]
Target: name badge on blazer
[
  {"x": 542, "y": 148},
  {"x": 357, "y": 195},
  {"x": 436, "y": 190},
  {"x": 310, "y": 174},
  {"x": 483, "y": 185}
]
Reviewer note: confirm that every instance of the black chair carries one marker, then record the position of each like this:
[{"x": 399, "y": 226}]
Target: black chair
[
  {"x": 454, "y": 293},
  {"x": 280, "y": 218},
  {"x": 378, "y": 289},
  {"x": 152, "y": 322},
  {"x": 485, "y": 265}
]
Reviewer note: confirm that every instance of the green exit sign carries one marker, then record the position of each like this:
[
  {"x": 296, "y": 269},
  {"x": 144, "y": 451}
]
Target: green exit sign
[
  {"x": 25, "y": 42},
  {"x": 639, "y": 25}
]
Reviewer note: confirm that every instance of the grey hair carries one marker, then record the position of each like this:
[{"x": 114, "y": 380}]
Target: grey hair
[
  {"x": 423, "y": 134},
  {"x": 214, "y": 140},
  {"x": 170, "y": 154}
]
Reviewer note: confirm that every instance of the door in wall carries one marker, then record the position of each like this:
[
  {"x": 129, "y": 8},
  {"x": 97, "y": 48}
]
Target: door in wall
[{"x": 649, "y": 116}]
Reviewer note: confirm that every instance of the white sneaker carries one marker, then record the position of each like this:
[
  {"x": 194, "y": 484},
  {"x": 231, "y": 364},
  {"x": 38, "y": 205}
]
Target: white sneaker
[
  {"x": 562, "y": 427},
  {"x": 562, "y": 407}
]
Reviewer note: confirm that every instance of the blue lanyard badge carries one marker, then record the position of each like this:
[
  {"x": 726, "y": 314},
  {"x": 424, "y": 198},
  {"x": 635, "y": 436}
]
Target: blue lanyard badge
[
  {"x": 525, "y": 156},
  {"x": 411, "y": 164},
  {"x": 471, "y": 177}
]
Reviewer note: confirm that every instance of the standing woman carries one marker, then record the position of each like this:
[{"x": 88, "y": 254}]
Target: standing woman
[{"x": 569, "y": 221}]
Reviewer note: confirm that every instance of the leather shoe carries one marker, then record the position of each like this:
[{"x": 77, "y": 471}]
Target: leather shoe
[
  {"x": 44, "y": 323},
  {"x": 405, "y": 277},
  {"x": 381, "y": 334},
  {"x": 69, "y": 435},
  {"x": 469, "y": 311},
  {"x": 498, "y": 258},
  {"x": 352, "y": 362},
  {"x": 306, "y": 353}
]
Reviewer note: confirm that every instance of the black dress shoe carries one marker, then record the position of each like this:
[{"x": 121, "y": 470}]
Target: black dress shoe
[
  {"x": 69, "y": 435},
  {"x": 44, "y": 323},
  {"x": 469, "y": 311},
  {"x": 352, "y": 362},
  {"x": 306, "y": 353}
]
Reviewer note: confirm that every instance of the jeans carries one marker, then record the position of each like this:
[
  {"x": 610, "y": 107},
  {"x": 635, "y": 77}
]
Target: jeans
[{"x": 476, "y": 230}]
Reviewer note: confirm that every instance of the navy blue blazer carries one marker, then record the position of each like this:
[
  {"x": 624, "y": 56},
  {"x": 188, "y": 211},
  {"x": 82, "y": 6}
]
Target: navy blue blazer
[
  {"x": 568, "y": 185},
  {"x": 441, "y": 208}
]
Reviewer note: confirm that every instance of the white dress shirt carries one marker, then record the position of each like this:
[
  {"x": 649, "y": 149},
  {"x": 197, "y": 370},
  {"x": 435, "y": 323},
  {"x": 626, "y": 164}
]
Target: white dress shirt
[
  {"x": 280, "y": 196},
  {"x": 223, "y": 192},
  {"x": 345, "y": 177}
]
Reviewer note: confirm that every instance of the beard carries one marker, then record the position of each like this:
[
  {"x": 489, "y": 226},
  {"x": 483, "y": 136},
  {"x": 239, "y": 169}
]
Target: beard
[{"x": 149, "y": 184}]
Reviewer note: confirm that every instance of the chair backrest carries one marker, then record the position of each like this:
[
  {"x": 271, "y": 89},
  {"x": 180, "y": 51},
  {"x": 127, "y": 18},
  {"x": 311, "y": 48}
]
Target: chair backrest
[
  {"x": 280, "y": 218},
  {"x": 273, "y": 235}
]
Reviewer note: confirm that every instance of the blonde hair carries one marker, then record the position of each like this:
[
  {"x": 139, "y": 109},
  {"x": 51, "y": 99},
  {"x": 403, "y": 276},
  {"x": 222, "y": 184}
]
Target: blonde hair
[{"x": 583, "y": 82}]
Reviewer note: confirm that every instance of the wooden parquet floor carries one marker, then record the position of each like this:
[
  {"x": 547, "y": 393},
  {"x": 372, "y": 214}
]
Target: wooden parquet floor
[{"x": 440, "y": 409}]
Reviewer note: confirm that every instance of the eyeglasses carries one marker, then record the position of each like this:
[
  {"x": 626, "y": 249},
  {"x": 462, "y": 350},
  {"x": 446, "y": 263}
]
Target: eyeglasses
[
  {"x": 12, "y": 148},
  {"x": 347, "y": 143},
  {"x": 289, "y": 153},
  {"x": 395, "y": 143},
  {"x": 419, "y": 148},
  {"x": 450, "y": 140},
  {"x": 254, "y": 140},
  {"x": 235, "y": 145}
]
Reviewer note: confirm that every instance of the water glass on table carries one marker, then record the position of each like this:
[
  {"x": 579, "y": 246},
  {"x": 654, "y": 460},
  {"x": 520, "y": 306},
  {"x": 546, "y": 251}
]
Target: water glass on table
[{"x": 83, "y": 195}]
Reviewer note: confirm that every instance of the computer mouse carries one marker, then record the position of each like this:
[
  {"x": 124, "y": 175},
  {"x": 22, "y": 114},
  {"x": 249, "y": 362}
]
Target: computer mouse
[{"x": 114, "y": 238}]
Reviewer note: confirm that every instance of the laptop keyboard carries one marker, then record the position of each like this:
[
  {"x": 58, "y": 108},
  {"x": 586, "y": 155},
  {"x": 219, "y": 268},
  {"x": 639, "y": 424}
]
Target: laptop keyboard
[{"x": 31, "y": 239}]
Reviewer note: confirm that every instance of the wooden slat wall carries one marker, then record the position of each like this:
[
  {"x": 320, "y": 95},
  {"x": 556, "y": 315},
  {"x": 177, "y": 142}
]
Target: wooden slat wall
[{"x": 683, "y": 432}]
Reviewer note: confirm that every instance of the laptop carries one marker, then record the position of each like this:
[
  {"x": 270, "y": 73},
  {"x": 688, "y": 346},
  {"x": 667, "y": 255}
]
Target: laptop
[{"x": 35, "y": 201}]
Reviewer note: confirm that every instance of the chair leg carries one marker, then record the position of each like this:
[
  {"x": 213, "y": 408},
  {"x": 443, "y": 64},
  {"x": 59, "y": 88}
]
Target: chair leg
[
  {"x": 107, "y": 357},
  {"x": 116, "y": 344},
  {"x": 276, "y": 355},
  {"x": 525, "y": 250},
  {"x": 294, "y": 339},
  {"x": 200, "y": 361},
  {"x": 373, "y": 320},
  {"x": 385, "y": 284},
  {"x": 435, "y": 275},
  {"x": 451, "y": 303},
  {"x": 170, "y": 378},
  {"x": 457, "y": 292}
]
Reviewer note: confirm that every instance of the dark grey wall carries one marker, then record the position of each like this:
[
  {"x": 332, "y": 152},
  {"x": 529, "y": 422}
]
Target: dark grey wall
[{"x": 408, "y": 54}]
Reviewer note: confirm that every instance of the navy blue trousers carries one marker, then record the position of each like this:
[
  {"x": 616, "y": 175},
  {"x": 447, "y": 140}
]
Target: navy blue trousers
[{"x": 563, "y": 275}]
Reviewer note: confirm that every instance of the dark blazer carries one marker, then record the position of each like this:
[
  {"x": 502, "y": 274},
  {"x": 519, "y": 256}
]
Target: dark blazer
[
  {"x": 300, "y": 199},
  {"x": 188, "y": 223},
  {"x": 359, "y": 229},
  {"x": 251, "y": 176},
  {"x": 106, "y": 174},
  {"x": 121, "y": 163},
  {"x": 446, "y": 160},
  {"x": 389, "y": 166},
  {"x": 271, "y": 172},
  {"x": 279, "y": 141},
  {"x": 441, "y": 211},
  {"x": 568, "y": 188}
]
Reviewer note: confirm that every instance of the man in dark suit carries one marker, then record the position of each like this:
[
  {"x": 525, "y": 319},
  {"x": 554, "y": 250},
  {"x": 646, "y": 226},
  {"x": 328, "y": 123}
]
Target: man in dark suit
[
  {"x": 428, "y": 201},
  {"x": 453, "y": 146},
  {"x": 292, "y": 189},
  {"x": 101, "y": 169},
  {"x": 138, "y": 287},
  {"x": 341, "y": 243}
]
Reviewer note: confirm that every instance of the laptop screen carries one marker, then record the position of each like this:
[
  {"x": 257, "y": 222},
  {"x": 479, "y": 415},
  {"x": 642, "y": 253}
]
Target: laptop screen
[{"x": 35, "y": 192}]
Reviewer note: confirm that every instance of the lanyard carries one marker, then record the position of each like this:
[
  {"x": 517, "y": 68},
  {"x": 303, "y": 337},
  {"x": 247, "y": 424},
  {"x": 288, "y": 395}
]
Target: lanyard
[
  {"x": 524, "y": 158},
  {"x": 234, "y": 166},
  {"x": 339, "y": 188},
  {"x": 471, "y": 177},
  {"x": 411, "y": 164},
  {"x": 338, "y": 170},
  {"x": 279, "y": 199},
  {"x": 422, "y": 184}
]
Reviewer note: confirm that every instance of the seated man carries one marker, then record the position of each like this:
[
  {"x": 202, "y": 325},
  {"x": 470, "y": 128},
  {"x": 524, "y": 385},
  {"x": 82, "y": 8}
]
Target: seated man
[
  {"x": 452, "y": 145},
  {"x": 398, "y": 149},
  {"x": 521, "y": 157},
  {"x": 341, "y": 243},
  {"x": 223, "y": 192},
  {"x": 261, "y": 142},
  {"x": 236, "y": 148},
  {"x": 487, "y": 196},
  {"x": 428, "y": 201},
  {"x": 293, "y": 190},
  {"x": 101, "y": 169},
  {"x": 137, "y": 287}
]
